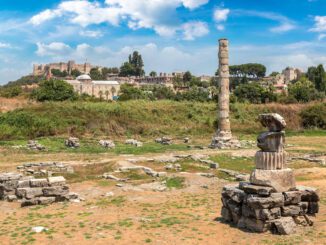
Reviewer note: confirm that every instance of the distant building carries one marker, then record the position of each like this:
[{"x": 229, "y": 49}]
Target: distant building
[
  {"x": 44, "y": 69},
  {"x": 291, "y": 74},
  {"x": 163, "y": 79},
  {"x": 107, "y": 90}
]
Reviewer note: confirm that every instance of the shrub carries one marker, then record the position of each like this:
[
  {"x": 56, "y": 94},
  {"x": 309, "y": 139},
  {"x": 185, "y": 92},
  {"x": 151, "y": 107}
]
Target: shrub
[{"x": 314, "y": 116}]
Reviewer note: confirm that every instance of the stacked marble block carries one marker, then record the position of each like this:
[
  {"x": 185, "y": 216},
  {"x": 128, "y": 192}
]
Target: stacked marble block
[
  {"x": 271, "y": 200},
  {"x": 30, "y": 191}
]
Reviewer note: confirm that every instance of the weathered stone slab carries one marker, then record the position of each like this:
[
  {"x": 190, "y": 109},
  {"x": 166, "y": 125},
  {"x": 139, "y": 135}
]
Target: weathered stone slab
[
  {"x": 23, "y": 184},
  {"x": 281, "y": 180},
  {"x": 261, "y": 214},
  {"x": 46, "y": 200},
  {"x": 29, "y": 193},
  {"x": 226, "y": 214},
  {"x": 257, "y": 189},
  {"x": 234, "y": 193},
  {"x": 273, "y": 201},
  {"x": 284, "y": 225},
  {"x": 55, "y": 191},
  {"x": 57, "y": 181},
  {"x": 29, "y": 202},
  {"x": 39, "y": 183},
  {"x": 292, "y": 197},
  {"x": 291, "y": 210},
  {"x": 253, "y": 224},
  {"x": 273, "y": 121},
  {"x": 304, "y": 207}
]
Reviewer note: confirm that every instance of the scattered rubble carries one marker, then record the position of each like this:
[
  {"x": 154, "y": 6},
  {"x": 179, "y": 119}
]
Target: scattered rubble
[
  {"x": 34, "y": 145},
  {"x": 186, "y": 140},
  {"x": 176, "y": 167},
  {"x": 72, "y": 142},
  {"x": 44, "y": 168},
  {"x": 310, "y": 158},
  {"x": 107, "y": 144},
  {"x": 164, "y": 140},
  {"x": 134, "y": 142}
]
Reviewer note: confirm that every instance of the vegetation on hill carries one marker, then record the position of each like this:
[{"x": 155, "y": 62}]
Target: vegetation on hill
[{"x": 142, "y": 118}]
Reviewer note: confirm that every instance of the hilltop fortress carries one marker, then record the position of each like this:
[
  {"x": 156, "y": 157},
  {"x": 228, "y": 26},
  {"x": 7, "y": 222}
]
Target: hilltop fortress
[{"x": 43, "y": 69}]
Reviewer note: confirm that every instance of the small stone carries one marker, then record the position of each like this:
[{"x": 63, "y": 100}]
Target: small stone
[
  {"x": 38, "y": 229},
  {"x": 46, "y": 200},
  {"x": 234, "y": 193},
  {"x": 119, "y": 185},
  {"x": 109, "y": 194},
  {"x": 308, "y": 194},
  {"x": 11, "y": 198},
  {"x": 214, "y": 165},
  {"x": 292, "y": 197},
  {"x": 55, "y": 191}
]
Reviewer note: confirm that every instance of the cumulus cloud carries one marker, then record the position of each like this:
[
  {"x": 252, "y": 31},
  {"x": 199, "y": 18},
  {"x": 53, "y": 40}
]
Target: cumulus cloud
[
  {"x": 159, "y": 15},
  {"x": 55, "y": 48},
  {"x": 195, "y": 29},
  {"x": 221, "y": 15},
  {"x": 89, "y": 33},
  {"x": 320, "y": 24}
]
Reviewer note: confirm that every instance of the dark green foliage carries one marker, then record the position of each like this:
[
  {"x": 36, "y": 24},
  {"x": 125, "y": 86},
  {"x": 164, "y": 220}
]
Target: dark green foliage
[
  {"x": 254, "y": 93},
  {"x": 10, "y": 91},
  {"x": 194, "y": 94},
  {"x": 314, "y": 116},
  {"x": 75, "y": 73},
  {"x": 153, "y": 74},
  {"x": 129, "y": 92},
  {"x": 95, "y": 74},
  {"x": 274, "y": 74},
  {"x": 134, "y": 66},
  {"x": 54, "y": 90},
  {"x": 252, "y": 70},
  {"x": 304, "y": 91},
  {"x": 58, "y": 73},
  {"x": 26, "y": 80},
  {"x": 317, "y": 75},
  {"x": 187, "y": 77}
]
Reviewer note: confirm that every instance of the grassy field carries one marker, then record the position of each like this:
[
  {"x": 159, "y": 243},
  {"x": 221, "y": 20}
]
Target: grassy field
[{"x": 136, "y": 119}]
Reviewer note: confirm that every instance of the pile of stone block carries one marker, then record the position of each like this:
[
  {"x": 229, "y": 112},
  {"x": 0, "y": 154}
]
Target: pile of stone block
[
  {"x": 164, "y": 140},
  {"x": 44, "y": 168},
  {"x": 34, "y": 145},
  {"x": 72, "y": 142},
  {"x": 30, "y": 191},
  {"x": 260, "y": 208},
  {"x": 107, "y": 144},
  {"x": 270, "y": 200},
  {"x": 134, "y": 142}
]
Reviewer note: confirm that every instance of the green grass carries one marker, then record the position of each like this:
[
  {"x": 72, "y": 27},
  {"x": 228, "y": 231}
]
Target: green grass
[
  {"x": 241, "y": 164},
  {"x": 175, "y": 182},
  {"x": 109, "y": 201}
]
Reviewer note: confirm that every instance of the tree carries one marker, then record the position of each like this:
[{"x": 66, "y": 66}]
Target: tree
[
  {"x": 304, "y": 90},
  {"x": 107, "y": 93},
  {"x": 254, "y": 93},
  {"x": 95, "y": 74},
  {"x": 10, "y": 91},
  {"x": 252, "y": 70},
  {"x": 153, "y": 74},
  {"x": 128, "y": 92},
  {"x": 113, "y": 90},
  {"x": 134, "y": 66},
  {"x": 274, "y": 74},
  {"x": 126, "y": 70},
  {"x": 75, "y": 73},
  {"x": 187, "y": 77},
  {"x": 58, "y": 73},
  {"x": 317, "y": 75},
  {"x": 54, "y": 90}
]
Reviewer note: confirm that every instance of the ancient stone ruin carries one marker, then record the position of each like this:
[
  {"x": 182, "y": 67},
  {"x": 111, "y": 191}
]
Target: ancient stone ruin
[
  {"x": 30, "y": 191},
  {"x": 270, "y": 201},
  {"x": 72, "y": 142},
  {"x": 107, "y": 144},
  {"x": 164, "y": 140},
  {"x": 45, "y": 168},
  {"x": 223, "y": 137},
  {"x": 34, "y": 145},
  {"x": 134, "y": 142}
]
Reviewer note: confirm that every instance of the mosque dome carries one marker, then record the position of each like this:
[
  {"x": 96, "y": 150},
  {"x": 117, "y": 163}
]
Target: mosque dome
[{"x": 83, "y": 77}]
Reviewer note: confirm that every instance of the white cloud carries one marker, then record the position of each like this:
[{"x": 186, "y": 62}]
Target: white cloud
[
  {"x": 159, "y": 15},
  {"x": 5, "y": 45},
  {"x": 220, "y": 27},
  {"x": 221, "y": 14},
  {"x": 321, "y": 36},
  {"x": 285, "y": 24},
  {"x": 191, "y": 30},
  {"x": 55, "y": 48},
  {"x": 320, "y": 24},
  {"x": 89, "y": 33}
]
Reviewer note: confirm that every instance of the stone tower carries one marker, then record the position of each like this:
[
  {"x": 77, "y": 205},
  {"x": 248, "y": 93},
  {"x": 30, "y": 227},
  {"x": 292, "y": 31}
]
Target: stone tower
[{"x": 223, "y": 137}]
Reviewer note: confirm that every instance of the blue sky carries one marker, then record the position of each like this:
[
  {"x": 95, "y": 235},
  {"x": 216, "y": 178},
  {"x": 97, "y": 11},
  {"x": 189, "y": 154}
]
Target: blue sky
[{"x": 172, "y": 35}]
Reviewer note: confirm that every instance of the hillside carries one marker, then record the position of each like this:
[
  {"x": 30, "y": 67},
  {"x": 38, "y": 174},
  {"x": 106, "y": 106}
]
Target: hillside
[{"x": 135, "y": 118}]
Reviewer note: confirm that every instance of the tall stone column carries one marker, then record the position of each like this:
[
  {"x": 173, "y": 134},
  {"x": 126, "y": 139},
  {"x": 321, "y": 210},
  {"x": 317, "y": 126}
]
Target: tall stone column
[{"x": 223, "y": 137}]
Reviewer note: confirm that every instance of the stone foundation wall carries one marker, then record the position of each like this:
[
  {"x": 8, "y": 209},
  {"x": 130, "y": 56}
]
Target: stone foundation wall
[
  {"x": 259, "y": 208},
  {"x": 44, "y": 168},
  {"x": 30, "y": 191}
]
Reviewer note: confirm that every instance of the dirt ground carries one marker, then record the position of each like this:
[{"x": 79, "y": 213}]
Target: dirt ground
[{"x": 133, "y": 214}]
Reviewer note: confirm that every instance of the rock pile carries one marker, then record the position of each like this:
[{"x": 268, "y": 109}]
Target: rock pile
[
  {"x": 107, "y": 144},
  {"x": 164, "y": 140},
  {"x": 72, "y": 142},
  {"x": 260, "y": 208},
  {"x": 34, "y": 145},
  {"x": 134, "y": 142},
  {"x": 270, "y": 200},
  {"x": 30, "y": 191},
  {"x": 44, "y": 168}
]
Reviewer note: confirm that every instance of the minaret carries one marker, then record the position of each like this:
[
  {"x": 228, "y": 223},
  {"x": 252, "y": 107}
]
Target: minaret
[{"x": 223, "y": 137}]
